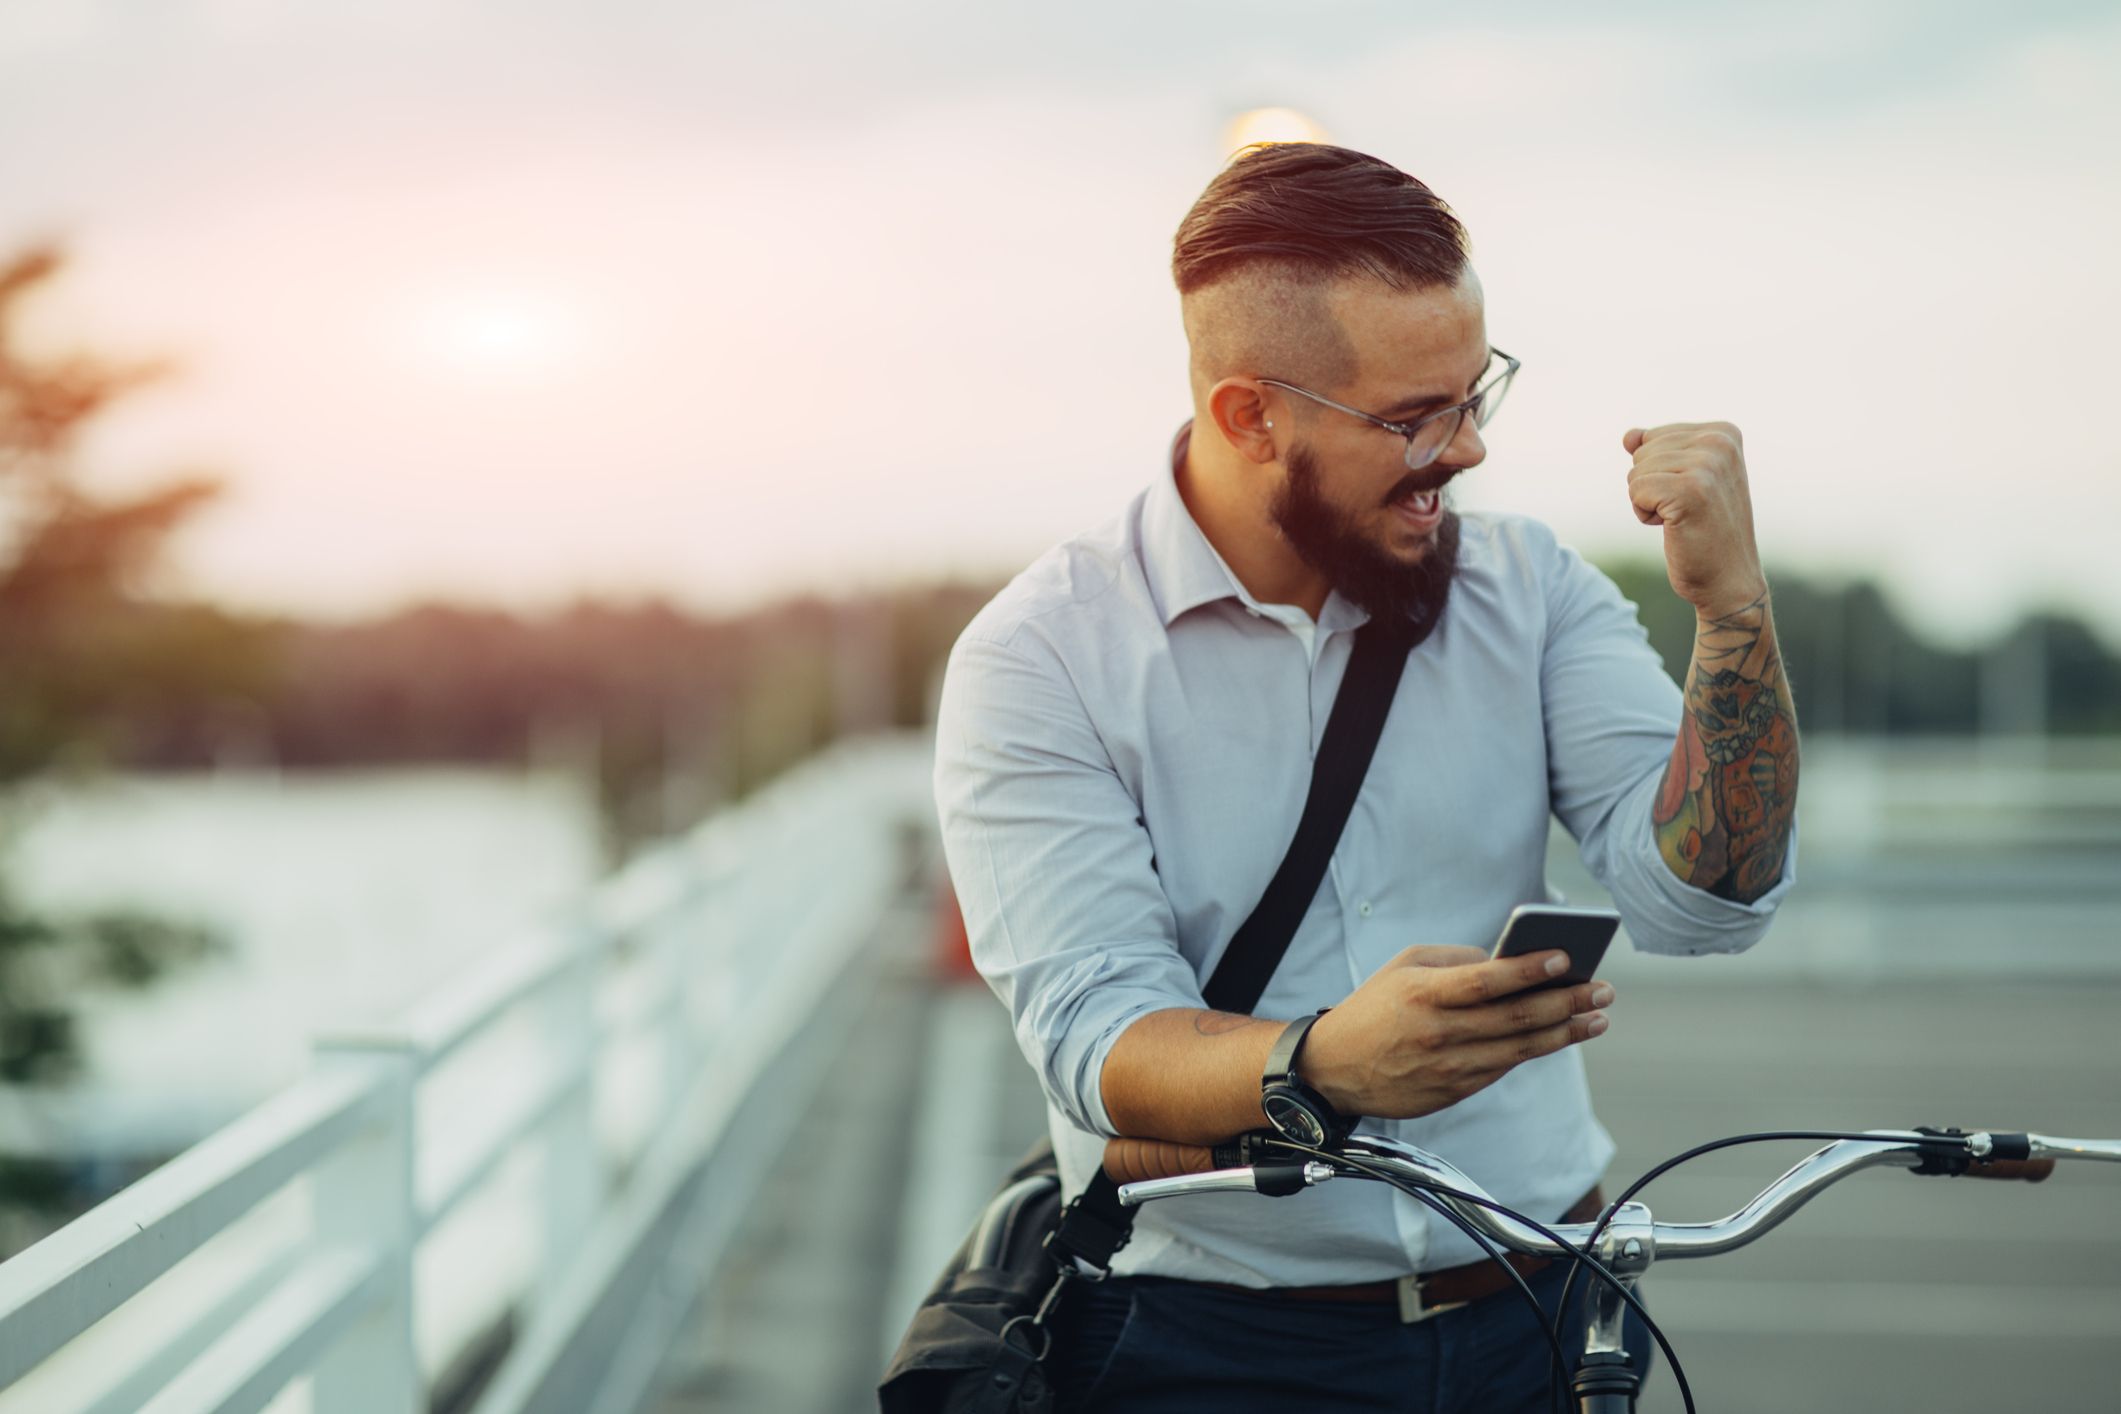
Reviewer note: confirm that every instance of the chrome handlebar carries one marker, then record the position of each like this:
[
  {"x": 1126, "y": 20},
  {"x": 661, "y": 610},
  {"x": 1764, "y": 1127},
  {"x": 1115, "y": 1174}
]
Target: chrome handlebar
[
  {"x": 1240, "y": 1180},
  {"x": 1632, "y": 1224},
  {"x": 2045, "y": 1147}
]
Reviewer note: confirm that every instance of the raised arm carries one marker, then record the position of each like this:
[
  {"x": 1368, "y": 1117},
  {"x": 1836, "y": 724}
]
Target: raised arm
[{"x": 1725, "y": 806}]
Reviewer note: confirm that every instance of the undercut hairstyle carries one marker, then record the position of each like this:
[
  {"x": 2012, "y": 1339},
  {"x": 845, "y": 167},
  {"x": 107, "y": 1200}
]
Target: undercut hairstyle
[{"x": 1257, "y": 255}]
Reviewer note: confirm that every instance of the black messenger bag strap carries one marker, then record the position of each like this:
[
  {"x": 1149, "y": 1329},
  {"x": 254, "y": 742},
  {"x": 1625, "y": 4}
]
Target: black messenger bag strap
[{"x": 1095, "y": 1225}]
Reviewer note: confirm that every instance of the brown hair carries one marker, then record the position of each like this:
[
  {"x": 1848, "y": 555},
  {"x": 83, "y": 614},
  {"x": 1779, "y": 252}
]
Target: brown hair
[{"x": 1314, "y": 210}]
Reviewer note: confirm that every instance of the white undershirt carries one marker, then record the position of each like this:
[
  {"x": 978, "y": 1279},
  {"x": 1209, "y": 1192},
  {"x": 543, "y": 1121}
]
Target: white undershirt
[
  {"x": 1298, "y": 623},
  {"x": 1289, "y": 615}
]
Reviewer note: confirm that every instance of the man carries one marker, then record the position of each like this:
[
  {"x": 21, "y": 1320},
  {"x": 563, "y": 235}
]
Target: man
[{"x": 1125, "y": 744}]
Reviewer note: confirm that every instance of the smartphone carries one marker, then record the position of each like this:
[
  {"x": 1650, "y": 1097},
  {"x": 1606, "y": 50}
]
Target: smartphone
[{"x": 1582, "y": 933}]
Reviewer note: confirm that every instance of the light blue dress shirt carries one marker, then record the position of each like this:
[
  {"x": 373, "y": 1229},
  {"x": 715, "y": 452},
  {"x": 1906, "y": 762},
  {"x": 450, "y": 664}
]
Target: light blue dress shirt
[{"x": 1123, "y": 747}]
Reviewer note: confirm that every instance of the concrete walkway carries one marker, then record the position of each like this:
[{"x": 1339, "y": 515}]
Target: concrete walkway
[{"x": 790, "y": 1326}]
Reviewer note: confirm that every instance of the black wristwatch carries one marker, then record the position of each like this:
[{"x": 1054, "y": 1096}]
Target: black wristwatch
[{"x": 1298, "y": 1112}]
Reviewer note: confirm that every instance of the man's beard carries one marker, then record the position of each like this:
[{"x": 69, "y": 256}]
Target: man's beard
[{"x": 1326, "y": 539}]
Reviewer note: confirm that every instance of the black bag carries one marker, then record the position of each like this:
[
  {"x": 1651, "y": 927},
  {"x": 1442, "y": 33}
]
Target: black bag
[
  {"x": 978, "y": 1342},
  {"x": 956, "y": 1355}
]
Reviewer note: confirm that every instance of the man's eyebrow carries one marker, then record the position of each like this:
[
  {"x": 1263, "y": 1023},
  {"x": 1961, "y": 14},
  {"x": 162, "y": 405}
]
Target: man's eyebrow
[
  {"x": 1420, "y": 402},
  {"x": 1424, "y": 402}
]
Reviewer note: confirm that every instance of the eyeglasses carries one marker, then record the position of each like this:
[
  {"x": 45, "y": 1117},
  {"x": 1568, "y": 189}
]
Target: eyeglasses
[{"x": 1428, "y": 436}]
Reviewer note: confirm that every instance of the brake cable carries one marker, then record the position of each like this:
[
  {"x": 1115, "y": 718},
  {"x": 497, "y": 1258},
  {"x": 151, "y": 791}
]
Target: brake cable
[
  {"x": 1613, "y": 1208},
  {"x": 1578, "y": 1258}
]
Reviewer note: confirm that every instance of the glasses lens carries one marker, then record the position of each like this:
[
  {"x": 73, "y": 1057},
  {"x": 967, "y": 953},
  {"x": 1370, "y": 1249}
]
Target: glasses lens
[
  {"x": 1492, "y": 395},
  {"x": 1429, "y": 440}
]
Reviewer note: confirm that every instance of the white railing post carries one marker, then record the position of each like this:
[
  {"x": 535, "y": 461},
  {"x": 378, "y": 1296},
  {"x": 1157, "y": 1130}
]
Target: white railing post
[
  {"x": 362, "y": 1198},
  {"x": 679, "y": 948},
  {"x": 572, "y": 1177}
]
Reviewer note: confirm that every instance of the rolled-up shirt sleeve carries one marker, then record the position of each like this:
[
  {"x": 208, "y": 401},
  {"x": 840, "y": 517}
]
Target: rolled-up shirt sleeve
[
  {"x": 1612, "y": 715},
  {"x": 1053, "y": 868}
]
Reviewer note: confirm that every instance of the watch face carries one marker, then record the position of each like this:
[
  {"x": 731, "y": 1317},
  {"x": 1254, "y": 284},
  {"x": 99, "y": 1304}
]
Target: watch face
[{"x": 1293, "y": 1120}]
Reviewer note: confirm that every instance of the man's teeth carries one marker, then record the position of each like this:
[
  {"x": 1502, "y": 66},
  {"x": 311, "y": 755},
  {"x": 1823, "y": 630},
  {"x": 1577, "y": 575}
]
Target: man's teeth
[{"x": 1420, "y": 502}]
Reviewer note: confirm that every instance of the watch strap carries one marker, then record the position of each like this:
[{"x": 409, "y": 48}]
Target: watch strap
[{"x": 1281, "y": 1061}]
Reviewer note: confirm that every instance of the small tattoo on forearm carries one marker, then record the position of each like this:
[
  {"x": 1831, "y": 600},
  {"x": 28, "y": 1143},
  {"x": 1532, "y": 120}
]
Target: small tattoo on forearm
[{"x": 1220, "y": 1023}]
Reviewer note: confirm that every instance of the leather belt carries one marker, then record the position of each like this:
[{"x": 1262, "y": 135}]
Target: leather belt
[{"x": 1426, "y": 1294}]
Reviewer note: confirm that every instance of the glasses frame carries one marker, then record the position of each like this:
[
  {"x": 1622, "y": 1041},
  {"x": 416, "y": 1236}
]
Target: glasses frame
[{"x": 1409, "y": 429}]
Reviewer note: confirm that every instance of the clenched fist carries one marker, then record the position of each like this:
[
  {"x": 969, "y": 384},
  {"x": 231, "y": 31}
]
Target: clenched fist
[{"x": 1689, "y": 477}]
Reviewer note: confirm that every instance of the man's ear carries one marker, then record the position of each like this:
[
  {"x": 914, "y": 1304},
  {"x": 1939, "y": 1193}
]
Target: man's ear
[{"x": 1241, "y": 411}]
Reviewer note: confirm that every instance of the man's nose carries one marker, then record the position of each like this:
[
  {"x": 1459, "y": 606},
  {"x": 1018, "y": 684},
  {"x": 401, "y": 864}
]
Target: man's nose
[{"x": 1465, "y": 450}]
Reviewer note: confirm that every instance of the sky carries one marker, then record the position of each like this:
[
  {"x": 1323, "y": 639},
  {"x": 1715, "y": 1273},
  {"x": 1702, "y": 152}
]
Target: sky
[{"x": 516, "y": 302}]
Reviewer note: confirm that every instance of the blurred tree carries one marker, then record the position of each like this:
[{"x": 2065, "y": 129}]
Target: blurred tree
[
  {"x": 84, "y": 646},
  {"x": 1858, "y": 667},
  {"x": 2082, "y": 678}
]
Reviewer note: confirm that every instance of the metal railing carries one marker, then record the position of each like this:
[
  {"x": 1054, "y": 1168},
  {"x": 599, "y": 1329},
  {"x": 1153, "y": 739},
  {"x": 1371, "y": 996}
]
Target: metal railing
[{"x": 526, "y": 1150}]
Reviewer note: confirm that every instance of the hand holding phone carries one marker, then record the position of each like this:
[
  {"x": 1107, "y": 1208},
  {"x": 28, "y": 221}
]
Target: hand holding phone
[
  {"x": 1440, "y": 1022},
  {"x": 1582, "y": 933}
]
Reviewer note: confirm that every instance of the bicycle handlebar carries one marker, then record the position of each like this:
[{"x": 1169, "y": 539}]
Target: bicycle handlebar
[
  {"x": 2025, "y": 1170},
  {"x": 1138, "y": 1160},
  {"x": 1148, "y": 1170}
]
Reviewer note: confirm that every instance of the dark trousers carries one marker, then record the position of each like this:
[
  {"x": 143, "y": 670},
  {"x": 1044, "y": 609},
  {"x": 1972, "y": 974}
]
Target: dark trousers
[{"x": 1150, "y": 1345}]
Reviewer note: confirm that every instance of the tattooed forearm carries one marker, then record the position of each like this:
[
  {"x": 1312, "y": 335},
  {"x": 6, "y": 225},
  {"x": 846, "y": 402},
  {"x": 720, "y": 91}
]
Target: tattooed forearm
[
  {"x": 1723, "y": 812},
  {"x": 1742, "y": 642}
]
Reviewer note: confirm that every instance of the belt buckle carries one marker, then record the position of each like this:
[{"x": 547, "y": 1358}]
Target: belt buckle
[{"x": 1411, "y": 1310}]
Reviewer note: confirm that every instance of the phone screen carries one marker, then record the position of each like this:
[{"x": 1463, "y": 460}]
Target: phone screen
[{"x": 1580, "y": 932}]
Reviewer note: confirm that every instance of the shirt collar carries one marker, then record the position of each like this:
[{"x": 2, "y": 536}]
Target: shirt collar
[{"x": 1184, "y": 569}]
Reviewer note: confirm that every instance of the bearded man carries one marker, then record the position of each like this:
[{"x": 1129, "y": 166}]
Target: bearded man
[{"x": 1125, "y": 744}]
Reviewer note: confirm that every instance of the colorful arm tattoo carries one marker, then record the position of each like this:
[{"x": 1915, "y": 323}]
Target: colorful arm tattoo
[{"x": 1723, "y": 812}]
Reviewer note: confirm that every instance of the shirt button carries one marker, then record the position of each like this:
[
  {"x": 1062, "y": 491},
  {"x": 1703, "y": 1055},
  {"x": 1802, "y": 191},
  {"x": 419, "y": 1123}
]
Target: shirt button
[{"x": 1363, "y": 908}]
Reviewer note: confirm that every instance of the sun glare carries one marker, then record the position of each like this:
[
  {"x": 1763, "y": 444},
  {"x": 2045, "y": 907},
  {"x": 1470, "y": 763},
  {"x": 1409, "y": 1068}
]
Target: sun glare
[
  {"x": 499, "y": 334},
  {"x": 1270, "y": 125}
]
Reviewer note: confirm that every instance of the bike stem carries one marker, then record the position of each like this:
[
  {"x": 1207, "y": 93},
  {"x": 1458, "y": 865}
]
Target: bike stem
[{"x": 1607, "y": 1382}]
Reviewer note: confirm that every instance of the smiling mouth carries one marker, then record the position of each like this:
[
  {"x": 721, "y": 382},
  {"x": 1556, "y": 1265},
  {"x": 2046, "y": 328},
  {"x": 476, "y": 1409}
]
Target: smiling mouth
[{"x": 1412, "y": 495}]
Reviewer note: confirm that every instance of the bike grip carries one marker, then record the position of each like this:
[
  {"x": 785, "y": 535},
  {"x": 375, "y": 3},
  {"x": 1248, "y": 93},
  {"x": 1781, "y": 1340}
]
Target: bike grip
[
  {"x": 2029, "y": 1170},
  {"x": 1133, "y": 1160}
]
